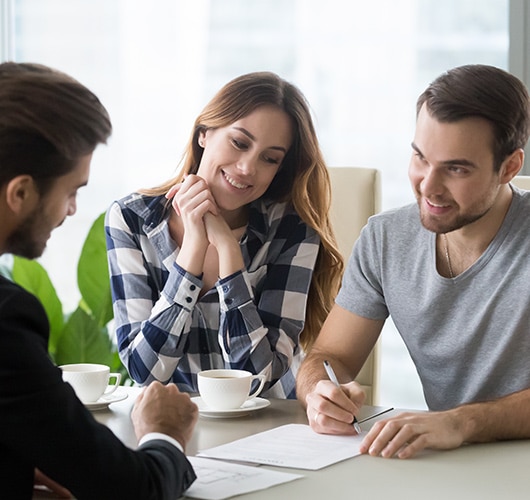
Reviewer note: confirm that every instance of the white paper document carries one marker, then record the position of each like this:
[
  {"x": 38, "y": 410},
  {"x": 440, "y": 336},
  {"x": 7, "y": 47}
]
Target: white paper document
[
  {"x": 217, "y": 480},
  {"x": 293, "y": 445}
]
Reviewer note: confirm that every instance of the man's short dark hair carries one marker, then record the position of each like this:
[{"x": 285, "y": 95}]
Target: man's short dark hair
[
  {"x": 48, "y": 121},
  {"x": 487, "y": 92}
]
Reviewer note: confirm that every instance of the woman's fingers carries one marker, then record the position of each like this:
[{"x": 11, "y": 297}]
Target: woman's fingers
[{"x": 192, "y": 198}]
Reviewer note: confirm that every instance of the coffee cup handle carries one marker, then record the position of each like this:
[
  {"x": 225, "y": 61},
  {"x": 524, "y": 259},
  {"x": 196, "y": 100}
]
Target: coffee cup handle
[
  {"x": 260, "y": 387},
  {"x": 112, "y": 387}
]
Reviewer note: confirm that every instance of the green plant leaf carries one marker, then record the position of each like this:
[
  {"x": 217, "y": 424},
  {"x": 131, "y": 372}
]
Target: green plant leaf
[
  {"x": 30, "y": 275},
  {"x": 84, "y": 341},
  {"x": 93, "y": 273}
]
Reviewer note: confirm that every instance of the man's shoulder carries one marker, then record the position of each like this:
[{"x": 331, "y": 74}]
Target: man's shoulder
[
  {"x": 12, "y": 294},
  {"x": 522, "y": 197},
  {"x": 22, "y": 312}
]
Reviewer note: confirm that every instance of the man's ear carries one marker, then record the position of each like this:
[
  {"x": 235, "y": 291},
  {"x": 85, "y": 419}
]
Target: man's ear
[
  {"x": 21, "y": 194},
  {"x": 511, "y": 166}
]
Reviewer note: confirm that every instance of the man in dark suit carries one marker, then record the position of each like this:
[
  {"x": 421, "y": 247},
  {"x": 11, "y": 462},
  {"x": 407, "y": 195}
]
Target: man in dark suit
[{"x": 49, "y": 126}]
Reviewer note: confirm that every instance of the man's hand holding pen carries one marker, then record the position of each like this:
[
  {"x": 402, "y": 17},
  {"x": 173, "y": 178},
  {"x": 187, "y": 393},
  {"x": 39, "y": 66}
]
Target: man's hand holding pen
[
  {"x": 331, "y": 408},
  {"x": 333, "y": 378}
]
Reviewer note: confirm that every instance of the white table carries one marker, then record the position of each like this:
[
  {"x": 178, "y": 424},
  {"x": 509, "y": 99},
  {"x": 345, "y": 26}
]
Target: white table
[{"x": 485, "y": 471}]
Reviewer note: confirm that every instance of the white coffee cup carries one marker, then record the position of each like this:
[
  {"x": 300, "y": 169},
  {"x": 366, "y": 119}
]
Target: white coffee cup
[
  {"x": 90, "y": 381},
  {"x": 227, "y": 389}
]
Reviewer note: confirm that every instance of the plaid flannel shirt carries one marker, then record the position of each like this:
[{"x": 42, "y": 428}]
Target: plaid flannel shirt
[{"x": 250, "y": 320}]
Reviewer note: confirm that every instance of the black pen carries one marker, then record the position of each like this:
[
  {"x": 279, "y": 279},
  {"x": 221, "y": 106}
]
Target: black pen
[
  {"x": 333, "y": 378},
  {"x": 382, "y": 412}
]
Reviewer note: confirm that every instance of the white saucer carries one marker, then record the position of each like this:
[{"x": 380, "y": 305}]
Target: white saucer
[
  {"x": 245, "y": 409},
  {"x": 104, "y": 401}
]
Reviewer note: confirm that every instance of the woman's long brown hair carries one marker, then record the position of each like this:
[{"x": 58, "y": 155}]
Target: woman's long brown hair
[{"x": 303, "y": 178}]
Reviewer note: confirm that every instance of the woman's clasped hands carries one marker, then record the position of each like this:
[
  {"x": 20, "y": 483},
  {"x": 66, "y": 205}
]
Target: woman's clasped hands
[
  {"x": 192, "y": 199},
  {"x": 199, "y": 225}
]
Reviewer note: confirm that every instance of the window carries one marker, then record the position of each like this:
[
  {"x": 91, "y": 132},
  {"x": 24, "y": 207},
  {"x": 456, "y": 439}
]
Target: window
[{"x": 155, "y": 64}]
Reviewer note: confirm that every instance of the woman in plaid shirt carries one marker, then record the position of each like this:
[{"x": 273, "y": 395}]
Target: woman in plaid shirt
[{"x": 233, "y": 263}]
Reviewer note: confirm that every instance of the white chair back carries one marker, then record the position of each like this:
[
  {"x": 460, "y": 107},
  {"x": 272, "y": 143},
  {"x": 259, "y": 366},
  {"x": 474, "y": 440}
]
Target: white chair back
[
  {"x": 522, "y": 182},
  {"x": 356, "y": 195}
]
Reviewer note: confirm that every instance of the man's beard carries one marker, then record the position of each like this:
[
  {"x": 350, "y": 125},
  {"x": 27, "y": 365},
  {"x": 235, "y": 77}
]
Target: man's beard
[
  {"x": 439, "y": 227},
  {"x": 25, "y": 241}
]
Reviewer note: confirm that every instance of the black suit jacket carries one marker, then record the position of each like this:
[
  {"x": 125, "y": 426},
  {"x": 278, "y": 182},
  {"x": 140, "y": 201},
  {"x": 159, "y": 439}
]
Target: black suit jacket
[{"x": 44, "y": 425}]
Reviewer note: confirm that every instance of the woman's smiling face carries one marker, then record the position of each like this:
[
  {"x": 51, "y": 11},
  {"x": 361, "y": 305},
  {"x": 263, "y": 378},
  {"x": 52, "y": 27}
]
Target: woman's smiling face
[{"x": 240, "y": 161}]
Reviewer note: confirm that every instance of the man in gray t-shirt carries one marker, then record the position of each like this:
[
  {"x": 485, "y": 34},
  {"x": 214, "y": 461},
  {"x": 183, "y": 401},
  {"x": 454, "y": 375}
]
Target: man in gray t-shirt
[{"x": 451, "y": 270}]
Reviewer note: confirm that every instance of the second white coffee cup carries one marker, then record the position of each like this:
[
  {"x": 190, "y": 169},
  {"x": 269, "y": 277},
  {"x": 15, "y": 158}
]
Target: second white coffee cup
[
  {"x": 227, "y": 389},
  {"x": 90, "y": 381}
]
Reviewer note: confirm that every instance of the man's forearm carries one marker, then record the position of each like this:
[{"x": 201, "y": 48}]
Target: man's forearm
[
  {"x": 311, "y": 371},
  {"x": 501, "y": 419}
]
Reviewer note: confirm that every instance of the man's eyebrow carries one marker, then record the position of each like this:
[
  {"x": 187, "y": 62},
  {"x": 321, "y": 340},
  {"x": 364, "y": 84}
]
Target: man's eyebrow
[
  {"x": 250, "y": 136},
  {"x": 454, "y": 161},
  {"x": 458, "y": 161}
]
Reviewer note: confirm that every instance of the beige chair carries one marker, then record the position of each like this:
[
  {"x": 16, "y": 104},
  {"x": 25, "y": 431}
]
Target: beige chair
[
  {"x": 356, "y": 195},
  {"x": 522, "y": 181}
]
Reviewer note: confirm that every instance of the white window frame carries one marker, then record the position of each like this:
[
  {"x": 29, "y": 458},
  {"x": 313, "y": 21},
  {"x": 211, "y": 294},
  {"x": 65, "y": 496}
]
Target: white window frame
[
  {"x": 519, "y": 51},
  {"x": 7, "y": 31}
]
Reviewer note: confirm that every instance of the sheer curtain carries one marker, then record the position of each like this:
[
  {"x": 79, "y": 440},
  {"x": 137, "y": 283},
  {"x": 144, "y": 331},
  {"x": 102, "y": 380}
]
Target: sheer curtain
[{"x": 155, "y": 64}]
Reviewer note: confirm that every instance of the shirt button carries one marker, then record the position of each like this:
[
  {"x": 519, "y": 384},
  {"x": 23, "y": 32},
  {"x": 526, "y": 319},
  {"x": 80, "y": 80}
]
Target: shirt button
[
  {"x": 188, "y": 299},
  {"x": 192, "y": 287},
  {"x": 225, "y": 288},
  {"x": 229, "y": 301}
]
